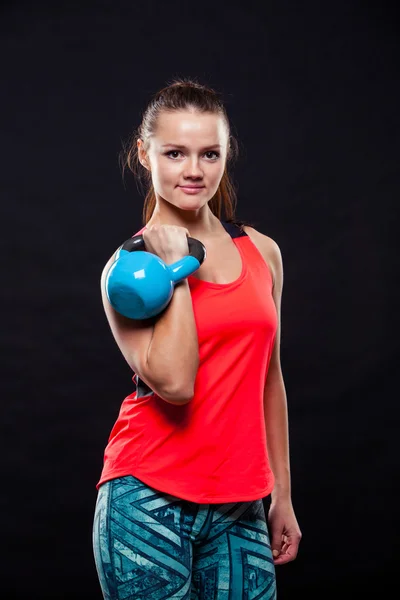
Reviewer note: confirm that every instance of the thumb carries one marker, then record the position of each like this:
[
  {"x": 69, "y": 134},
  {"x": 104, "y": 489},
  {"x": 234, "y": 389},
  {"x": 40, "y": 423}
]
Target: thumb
[{"x": 276, "y": 545}]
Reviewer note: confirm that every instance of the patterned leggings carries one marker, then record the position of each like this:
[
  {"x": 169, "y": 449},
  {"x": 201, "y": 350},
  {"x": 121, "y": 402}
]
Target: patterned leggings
[{"x": 149, "y": 545}]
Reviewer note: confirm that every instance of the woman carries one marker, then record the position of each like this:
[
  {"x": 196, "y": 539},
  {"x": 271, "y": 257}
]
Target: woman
[{"x": 204, "y": 437}]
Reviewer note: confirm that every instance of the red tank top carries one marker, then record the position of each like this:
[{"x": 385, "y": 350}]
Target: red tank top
[{"x": 212, "y": 449}]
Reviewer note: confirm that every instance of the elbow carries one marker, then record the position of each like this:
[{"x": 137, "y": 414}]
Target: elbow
[{"x": 179, "y": 396}]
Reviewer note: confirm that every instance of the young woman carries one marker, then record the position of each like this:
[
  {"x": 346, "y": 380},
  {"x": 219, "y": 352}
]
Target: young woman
[{"x": 204, "y": 436}]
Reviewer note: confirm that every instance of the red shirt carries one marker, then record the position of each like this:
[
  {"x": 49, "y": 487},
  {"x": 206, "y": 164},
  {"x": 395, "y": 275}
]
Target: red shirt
[{"x": 213, "y": 449}]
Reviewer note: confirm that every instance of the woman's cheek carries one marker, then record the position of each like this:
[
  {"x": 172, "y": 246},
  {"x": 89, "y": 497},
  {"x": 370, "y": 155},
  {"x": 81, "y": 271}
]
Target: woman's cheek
[
  {"x": 166, "y": 170},
  {"x": 161, "y": 175}
]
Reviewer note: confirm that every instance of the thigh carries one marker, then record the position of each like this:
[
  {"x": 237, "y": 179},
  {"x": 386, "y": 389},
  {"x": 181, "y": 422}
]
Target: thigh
[
  {"x": 232, "y": 556},
  {"x": 138, "y": 548}
]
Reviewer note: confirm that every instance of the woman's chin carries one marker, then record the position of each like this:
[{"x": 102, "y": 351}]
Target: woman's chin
[{"x": 189, "y": 202}]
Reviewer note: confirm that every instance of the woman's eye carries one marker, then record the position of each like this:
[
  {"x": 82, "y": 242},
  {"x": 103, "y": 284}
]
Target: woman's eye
[{"x": 171, "y": 152}]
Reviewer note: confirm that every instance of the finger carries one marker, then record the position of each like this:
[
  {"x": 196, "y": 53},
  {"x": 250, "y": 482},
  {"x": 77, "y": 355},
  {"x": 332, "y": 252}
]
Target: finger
[
  {"x": 283, "y": 559},
  {"x": 285, "y": 548},
  {"x": 288, "y": 554}
]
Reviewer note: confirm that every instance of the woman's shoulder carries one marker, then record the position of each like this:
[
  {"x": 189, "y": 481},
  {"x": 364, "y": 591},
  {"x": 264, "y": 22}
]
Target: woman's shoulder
[{"x": 265, "y": 242}]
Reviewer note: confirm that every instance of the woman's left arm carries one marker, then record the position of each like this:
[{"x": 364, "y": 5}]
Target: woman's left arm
[{"x": 284, "y": 530}]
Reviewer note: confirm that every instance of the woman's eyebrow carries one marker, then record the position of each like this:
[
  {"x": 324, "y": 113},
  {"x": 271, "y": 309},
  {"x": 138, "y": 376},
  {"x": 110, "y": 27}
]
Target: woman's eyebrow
[{"x": 184, "y": 147}]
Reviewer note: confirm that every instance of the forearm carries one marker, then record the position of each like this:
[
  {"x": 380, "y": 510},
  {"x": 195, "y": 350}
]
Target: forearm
[
  {"x": 173, "y": 353},
  {"x": 277, "y": 431}
]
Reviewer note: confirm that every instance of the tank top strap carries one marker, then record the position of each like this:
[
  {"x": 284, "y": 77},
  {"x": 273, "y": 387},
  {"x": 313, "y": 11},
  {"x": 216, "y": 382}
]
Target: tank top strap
[
  {"x": 233, "y": 230},
  {"x": 256, "y": 265}
]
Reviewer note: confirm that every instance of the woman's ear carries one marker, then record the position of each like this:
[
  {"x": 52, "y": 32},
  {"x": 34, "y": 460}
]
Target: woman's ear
[{"x": 142, "y": 155}]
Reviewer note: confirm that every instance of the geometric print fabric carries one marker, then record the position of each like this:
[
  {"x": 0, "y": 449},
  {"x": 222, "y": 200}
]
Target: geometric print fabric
[{"x": 149, "y": 545}]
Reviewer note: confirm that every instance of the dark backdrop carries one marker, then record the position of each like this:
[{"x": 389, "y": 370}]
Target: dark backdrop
[{"x": 312, "y": 91}]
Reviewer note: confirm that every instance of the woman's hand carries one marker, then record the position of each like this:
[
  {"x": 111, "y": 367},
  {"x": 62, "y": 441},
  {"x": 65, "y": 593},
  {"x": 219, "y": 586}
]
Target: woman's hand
[
  {"x": 284, "y": 531},
  {"x": 169, "y": 242}
]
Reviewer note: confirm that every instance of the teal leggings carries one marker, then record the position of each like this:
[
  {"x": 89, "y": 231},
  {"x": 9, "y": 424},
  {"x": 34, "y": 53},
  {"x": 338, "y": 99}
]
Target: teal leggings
[{"x": 149, "y": 545}]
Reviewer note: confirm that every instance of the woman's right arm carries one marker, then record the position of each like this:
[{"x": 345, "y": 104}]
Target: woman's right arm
[{"x": 163, "y": 350}]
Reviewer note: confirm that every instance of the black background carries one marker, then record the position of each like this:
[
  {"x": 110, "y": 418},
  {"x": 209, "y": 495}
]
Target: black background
[{"x": 312, "y": 91}]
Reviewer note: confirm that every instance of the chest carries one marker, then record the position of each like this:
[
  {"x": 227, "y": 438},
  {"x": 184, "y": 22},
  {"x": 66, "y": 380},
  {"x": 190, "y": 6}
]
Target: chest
[
  {"x": 225, "y": 315},
  {"x": 223, "y": 263}
]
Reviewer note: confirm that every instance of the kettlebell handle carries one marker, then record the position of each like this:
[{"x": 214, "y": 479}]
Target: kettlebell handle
[{"x": 196, "y": 248}]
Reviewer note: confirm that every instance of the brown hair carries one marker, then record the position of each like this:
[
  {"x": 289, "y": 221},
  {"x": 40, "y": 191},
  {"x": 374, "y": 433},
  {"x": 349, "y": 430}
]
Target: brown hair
[{"x": 183, "y": 94}]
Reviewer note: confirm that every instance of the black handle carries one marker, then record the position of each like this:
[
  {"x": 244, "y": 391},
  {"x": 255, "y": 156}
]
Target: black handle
[{"x": 196, "y": 248}]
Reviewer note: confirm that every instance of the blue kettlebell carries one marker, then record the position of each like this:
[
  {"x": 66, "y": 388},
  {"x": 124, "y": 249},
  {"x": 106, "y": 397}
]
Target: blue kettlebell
[{"x": 140, "y": 285}]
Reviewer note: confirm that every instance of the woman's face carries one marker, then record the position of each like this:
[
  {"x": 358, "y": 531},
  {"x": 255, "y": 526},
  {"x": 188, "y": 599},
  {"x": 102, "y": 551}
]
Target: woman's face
[{"x": 188, "y": 149}]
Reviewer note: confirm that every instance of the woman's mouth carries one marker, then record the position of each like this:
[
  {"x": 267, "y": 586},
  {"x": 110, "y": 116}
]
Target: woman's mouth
[{"x": 191, "y": 189}]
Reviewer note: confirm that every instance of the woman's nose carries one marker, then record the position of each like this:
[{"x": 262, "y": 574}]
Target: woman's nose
[{"x": 193, "y": 168}]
